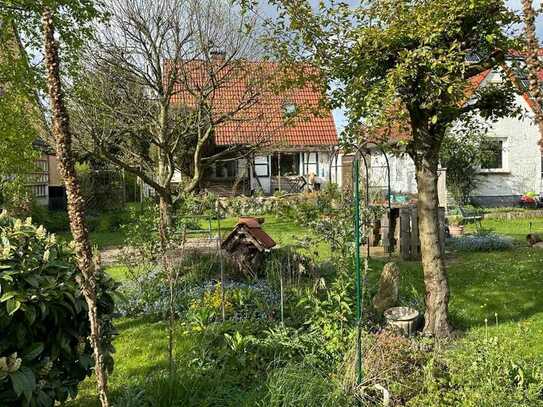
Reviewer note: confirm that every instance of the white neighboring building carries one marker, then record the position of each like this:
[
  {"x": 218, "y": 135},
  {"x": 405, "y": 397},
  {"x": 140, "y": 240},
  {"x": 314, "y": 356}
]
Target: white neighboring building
[{"x": 517, "y": 165}]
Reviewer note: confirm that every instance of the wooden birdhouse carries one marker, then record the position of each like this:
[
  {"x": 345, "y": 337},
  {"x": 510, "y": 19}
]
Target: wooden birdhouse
[{"x": 247, "y": 244}]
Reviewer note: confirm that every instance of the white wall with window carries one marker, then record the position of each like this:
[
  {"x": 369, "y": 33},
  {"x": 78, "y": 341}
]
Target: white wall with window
[{"x": 514, "y": 167}]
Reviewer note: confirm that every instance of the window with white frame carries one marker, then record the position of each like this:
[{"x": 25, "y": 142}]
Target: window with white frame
[
  {"x": 285, "y": 164},
  {"x": 262, "y": 166},
  {"x": 310, "y": 163},
  {"x": 494, "y": 157}
]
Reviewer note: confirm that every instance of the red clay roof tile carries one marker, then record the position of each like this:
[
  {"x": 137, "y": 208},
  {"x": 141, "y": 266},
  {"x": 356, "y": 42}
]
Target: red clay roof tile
[{"x": 262, "y": 119}]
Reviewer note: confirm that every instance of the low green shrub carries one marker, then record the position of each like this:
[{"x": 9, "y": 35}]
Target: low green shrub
[
  {"x": 145, "y": 294},
  {"x": 201, "y": 304},
  {"x": 242, "y": 301},
  {"x": 53, "y": 221},
  {"x": 480, "y": 243},
  {"x": 44, "y": 347},
  {"x": 141, "y": 232}
]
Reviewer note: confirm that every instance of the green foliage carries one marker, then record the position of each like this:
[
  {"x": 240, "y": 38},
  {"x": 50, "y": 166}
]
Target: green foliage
[
  {"x": 462, "y": 154},
  {"x": 52, "y": 221},
  {"x": 455, "y": 220},
  {"x": 108, "y": 221},
  {"x": 299, "y": 385},
  {"x": 15, "y": 195},
  {"x": 101, "y": 222},
  {"x": 73, "y": 21},
  {"x": 388, "y": 55},
  {"x": 330, "y": 311},
  {"x": 144, "y": 293},
  {"x": 242, "y": 301},
  {"x": 141, "y": 231},
  {"x": 44, "y": 347},
  {"x": 18, "y": 120},
  {"x": 482, "y": 372}
]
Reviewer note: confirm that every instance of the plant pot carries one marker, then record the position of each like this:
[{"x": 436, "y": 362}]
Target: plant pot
[
  {"x": 403, "y": 318},
  {"x": 456, "y": 230}
]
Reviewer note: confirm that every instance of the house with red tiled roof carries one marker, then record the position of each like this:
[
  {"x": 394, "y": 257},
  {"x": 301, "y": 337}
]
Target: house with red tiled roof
[
  {"x": 288, "y": 134},
  {"x": 513, "y": 169}
]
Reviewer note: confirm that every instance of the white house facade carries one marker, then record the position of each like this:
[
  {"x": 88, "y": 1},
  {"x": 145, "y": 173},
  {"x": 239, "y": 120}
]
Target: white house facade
[{"x": 514, "y": 170}]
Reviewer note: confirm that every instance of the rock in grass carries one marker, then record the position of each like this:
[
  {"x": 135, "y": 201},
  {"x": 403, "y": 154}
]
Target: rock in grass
[{"x": 389, "y": 287}]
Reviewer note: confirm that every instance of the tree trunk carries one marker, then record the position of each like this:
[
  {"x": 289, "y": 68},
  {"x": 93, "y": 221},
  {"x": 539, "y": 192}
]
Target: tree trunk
[
  {"x": 533, "y": 64},
  {"x": 165, "y": 221},
  {"x": 433, "y": 265},
  {"x": 76, "y": 205},
  {"x": 197, "y": 161}
]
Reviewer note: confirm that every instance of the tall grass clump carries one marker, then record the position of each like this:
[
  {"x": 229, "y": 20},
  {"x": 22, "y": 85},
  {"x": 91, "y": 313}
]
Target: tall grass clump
[{"x": 299, "y": 385}]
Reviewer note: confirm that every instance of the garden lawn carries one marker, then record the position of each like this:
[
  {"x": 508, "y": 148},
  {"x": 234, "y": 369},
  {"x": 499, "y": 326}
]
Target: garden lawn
[{"x": 493, "y": 293}]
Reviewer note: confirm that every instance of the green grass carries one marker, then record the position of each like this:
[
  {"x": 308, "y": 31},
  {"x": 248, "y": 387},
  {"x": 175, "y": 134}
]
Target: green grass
[
  {"x": 118, "y": 273},
  {"x": 508, "y": 284},
  {"x": 516, "y": 228}
]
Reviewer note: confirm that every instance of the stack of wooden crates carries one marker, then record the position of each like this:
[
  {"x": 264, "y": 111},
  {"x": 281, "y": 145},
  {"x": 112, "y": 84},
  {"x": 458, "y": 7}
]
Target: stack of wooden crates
[{"x": 399, "y": 232}]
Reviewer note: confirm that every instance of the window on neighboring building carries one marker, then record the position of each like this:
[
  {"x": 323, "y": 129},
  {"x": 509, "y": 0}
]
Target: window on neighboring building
[
  {"x": 285, "y": 164},
  {"x": 493, "y": 155},
  {"x": 39, "y": 191}
]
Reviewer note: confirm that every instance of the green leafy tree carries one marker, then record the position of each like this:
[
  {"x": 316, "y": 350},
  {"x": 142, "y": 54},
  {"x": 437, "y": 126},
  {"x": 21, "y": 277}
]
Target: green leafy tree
[
  {"x": 405, "y": 66},
  {"x": 17, "y": 155},
  {"x": 462, "y": 154},
  {"x": 55, "y": 30},
  {"x": 533, "y": 63},
  {"x": 17, "y": 129}
]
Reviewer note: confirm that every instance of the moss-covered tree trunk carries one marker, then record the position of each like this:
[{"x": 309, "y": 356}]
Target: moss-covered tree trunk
[
  {"x": 76, "y": 205},
  {"x": 426, "y": 147}
]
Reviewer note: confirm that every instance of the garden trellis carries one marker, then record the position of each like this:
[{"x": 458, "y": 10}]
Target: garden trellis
[{"x": 363, "y": 153}]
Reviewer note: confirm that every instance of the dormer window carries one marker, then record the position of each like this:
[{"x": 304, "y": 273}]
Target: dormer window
[{"x": 289, "y": 109}]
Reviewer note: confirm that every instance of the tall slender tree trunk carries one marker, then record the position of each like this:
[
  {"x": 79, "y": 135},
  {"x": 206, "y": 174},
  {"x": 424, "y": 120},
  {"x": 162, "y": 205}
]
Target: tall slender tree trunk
[
  {"x": 165, "y": 220},
  {"x": 533, "y": 64},
  {"x": 433, "y": 265},
  {"x": 164, "y": 178},
  {"x": 76, "y": 206}
]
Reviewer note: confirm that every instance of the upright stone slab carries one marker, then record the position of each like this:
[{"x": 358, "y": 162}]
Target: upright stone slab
[{"x": 389, "y": 288}]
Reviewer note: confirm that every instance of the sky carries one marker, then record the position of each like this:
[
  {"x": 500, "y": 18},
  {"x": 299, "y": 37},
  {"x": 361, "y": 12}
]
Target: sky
[{"x": 339, "y": 115}]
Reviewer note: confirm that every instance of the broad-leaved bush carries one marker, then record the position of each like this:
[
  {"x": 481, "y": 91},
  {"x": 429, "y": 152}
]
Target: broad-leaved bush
[{"x": 44, "y": 328}]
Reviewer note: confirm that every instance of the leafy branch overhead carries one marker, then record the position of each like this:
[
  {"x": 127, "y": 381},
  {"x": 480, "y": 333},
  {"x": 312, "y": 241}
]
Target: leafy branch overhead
[{"x": 408, "y": 67}]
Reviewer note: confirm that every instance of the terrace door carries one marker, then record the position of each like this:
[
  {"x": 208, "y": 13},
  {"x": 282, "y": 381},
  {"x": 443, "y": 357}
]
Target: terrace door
[{"x": 263, "y": 173}]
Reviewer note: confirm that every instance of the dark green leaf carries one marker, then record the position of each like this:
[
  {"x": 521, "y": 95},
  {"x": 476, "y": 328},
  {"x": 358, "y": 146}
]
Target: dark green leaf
[
  {"x": 33, "y": 351},
  {"x": 23, "y": 381},
  {"x": 12, "y": 306}
]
